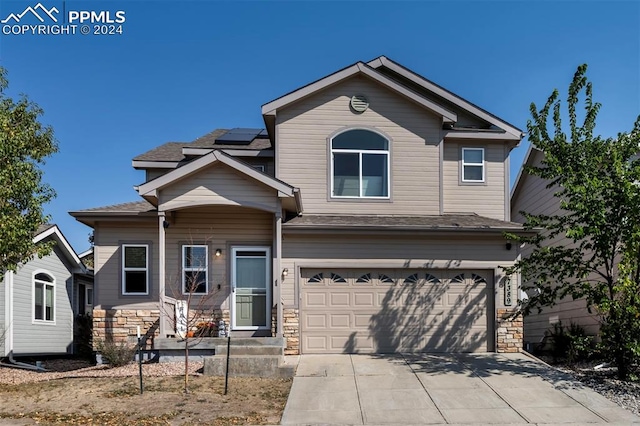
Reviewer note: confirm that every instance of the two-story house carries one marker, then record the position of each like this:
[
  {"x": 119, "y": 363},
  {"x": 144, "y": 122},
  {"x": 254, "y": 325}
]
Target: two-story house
[{"x": 368, "y": 216}]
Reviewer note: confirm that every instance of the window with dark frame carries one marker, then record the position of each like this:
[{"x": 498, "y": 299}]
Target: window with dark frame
[
  {"x": 194, "y": 269},
  {"x": 135, "y": 269}
]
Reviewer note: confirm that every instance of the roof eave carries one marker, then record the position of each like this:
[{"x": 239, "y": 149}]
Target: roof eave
[
  {"x": 444, "y": 93},
  {"x": 270, "y": 109},
  {"x": 149, "y": 189},
  {"x": 150, "y": 164},
  {"x": 64, "y": 245},
  {"x": 484, "y": 135},
  {"x": 346, "y": 229}
]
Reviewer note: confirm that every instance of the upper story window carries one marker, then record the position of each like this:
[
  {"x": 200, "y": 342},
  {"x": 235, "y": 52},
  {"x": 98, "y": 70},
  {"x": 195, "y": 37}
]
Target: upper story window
[
  {"x": 194, "y": 269},
  {"x": 472, "y": 164},
  {"x": 43, "y": 297},
  {"x": 135, "y": 269},
  {"x": 360, "y": 165}
]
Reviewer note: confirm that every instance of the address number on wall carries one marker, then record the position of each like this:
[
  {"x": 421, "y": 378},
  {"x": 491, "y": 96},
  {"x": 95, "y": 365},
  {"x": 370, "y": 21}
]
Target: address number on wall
[{"x": 508, "y": 292}]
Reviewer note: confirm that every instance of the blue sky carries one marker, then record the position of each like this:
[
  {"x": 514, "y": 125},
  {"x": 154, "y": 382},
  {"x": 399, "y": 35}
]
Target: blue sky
[{"x": 181, "y": 69}]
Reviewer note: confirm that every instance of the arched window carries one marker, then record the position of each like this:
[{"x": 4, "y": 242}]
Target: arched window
[
  {"x": 359, "y": 165},
  {"x": 43, "y": 297}
]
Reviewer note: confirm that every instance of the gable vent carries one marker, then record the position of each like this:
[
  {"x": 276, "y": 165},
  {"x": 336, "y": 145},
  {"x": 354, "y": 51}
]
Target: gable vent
[{"x": 359, "y": 103}]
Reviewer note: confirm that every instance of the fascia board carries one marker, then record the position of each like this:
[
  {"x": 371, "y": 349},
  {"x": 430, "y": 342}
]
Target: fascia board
[
  {"x": 154, "y": 164},
  {"x": 456, "y": 100},
  {"x": 448, "y": 116}
]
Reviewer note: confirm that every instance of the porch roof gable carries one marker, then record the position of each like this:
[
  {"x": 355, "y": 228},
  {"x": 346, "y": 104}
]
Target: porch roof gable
[{"x": 149, "y": 190}]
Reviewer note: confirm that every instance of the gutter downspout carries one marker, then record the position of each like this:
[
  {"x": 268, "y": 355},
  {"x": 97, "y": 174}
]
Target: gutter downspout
[
  {"x": 278, "y": 273},
  {"x": 17, "y": 364}
]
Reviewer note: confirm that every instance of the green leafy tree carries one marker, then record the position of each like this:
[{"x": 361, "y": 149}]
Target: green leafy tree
[
  {"x": 24, "y": 145},
  {"x": 596, "y": 181}
]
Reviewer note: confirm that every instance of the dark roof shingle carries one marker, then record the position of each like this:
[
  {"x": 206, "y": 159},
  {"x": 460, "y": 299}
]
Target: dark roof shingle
[
  {"x": 172, "y": 151},
  {"x": 468, "y": 222},
  {"x": 131, "y": 207}
]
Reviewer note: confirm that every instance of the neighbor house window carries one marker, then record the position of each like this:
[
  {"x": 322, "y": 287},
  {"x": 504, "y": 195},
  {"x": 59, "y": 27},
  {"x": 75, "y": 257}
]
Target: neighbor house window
[
  {"x": 473, "y": 164},
  {"x": 135, "y": 269},
  {"x": 43, "y": 297},
  {"x": 194, "y": 269},
  {"x": 360, "y": 165}
]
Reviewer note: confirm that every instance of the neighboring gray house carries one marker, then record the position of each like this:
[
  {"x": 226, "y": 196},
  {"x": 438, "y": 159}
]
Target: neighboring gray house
[
  {"x": 38, "y": 303},
  {"x": 530, "y": 194},
  {"x": 367, "y": 216}
]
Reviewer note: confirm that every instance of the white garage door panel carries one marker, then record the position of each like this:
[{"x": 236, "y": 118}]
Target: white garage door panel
[{"x": 351, "y": 310}]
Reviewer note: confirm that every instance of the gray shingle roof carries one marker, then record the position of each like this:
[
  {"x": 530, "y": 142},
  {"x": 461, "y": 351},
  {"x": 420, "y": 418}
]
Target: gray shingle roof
[
  {"x": 209, "y": 141},
  {"x": 44, "y": 227},
  {"x": 467, "y": 222},
  {"x": 172, "y": 151},
  {"x": 131, "y": 207}
]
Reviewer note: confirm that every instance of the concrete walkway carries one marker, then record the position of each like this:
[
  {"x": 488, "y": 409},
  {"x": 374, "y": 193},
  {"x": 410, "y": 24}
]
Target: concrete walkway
[{"x": 442, "y": 389}]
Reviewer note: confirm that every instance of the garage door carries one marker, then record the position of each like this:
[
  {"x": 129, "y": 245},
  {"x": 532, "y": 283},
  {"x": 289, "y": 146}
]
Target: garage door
[{"x": 392, "y": 310}]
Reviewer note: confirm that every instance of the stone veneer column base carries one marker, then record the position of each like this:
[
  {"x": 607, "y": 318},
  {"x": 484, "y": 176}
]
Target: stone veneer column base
[
  {"x": 291, "y": 331},
  {"x": 510, "y": 330}
]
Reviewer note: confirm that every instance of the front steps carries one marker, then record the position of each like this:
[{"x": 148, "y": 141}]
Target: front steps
[{"x": 249, "y": 357}]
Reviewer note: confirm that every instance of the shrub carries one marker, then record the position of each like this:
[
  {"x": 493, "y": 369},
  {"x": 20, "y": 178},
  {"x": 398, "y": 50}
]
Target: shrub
[
  {"x": 83, "y": 335},
  {"x": 116, "y": 354},
  {"x": 571, "y": 344}
]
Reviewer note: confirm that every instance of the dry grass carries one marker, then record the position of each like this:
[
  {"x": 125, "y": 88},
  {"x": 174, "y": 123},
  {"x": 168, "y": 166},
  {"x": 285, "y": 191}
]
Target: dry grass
[{"x": 112, "y": 397}]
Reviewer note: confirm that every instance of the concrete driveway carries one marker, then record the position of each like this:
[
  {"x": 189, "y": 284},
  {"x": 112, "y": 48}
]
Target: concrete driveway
[{"x": 441, "y": 389}]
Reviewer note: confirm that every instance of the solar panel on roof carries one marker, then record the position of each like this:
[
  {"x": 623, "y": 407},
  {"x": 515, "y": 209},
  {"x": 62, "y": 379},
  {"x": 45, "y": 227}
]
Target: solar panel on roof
[
  {"x": 238, "y": 136},
  {"x": 263, "y": 134}
]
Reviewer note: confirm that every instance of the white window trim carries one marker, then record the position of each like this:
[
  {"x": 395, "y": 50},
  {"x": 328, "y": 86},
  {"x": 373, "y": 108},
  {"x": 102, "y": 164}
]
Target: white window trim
[
  {"x": 472, "y": 164},
  {"x": 125, "y": 269},
  {"x": 386, "y": 152},
  {"x": 44, "y": 301},
  {"x": 196, "y": 269}
]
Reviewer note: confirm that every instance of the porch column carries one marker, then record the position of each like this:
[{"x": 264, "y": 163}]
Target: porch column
[
  {"x": 277, "y": 271},
  {"x": 161, "y": 273}
]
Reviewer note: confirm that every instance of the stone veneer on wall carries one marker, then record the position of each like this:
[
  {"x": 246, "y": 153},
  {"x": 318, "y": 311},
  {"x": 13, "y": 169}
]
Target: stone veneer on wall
[
  {"x": 291, "y": 331},
  {"x": 510, "y": 331},
  {"x": 120, "y": 325}
]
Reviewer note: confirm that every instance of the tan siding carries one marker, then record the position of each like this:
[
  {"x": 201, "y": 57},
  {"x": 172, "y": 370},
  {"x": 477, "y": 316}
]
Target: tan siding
[
  {"x": 533, "y": 197},
  {"x": 484, "y": 199},
  {"x": 217, "y": 227},
  {"x": 303, "y": 129},
  {"x": 217, "y": 184},
  {"x": 267, "y": 162},
  {"x": 389, "y": 252},
  {"x": 108, "y": 273}
]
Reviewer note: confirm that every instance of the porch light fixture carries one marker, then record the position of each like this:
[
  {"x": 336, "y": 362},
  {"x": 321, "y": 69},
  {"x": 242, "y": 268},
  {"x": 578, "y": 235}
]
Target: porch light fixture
[
  {"x": 285, "y": 272},
  {"x": 218, "y": 252}
]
